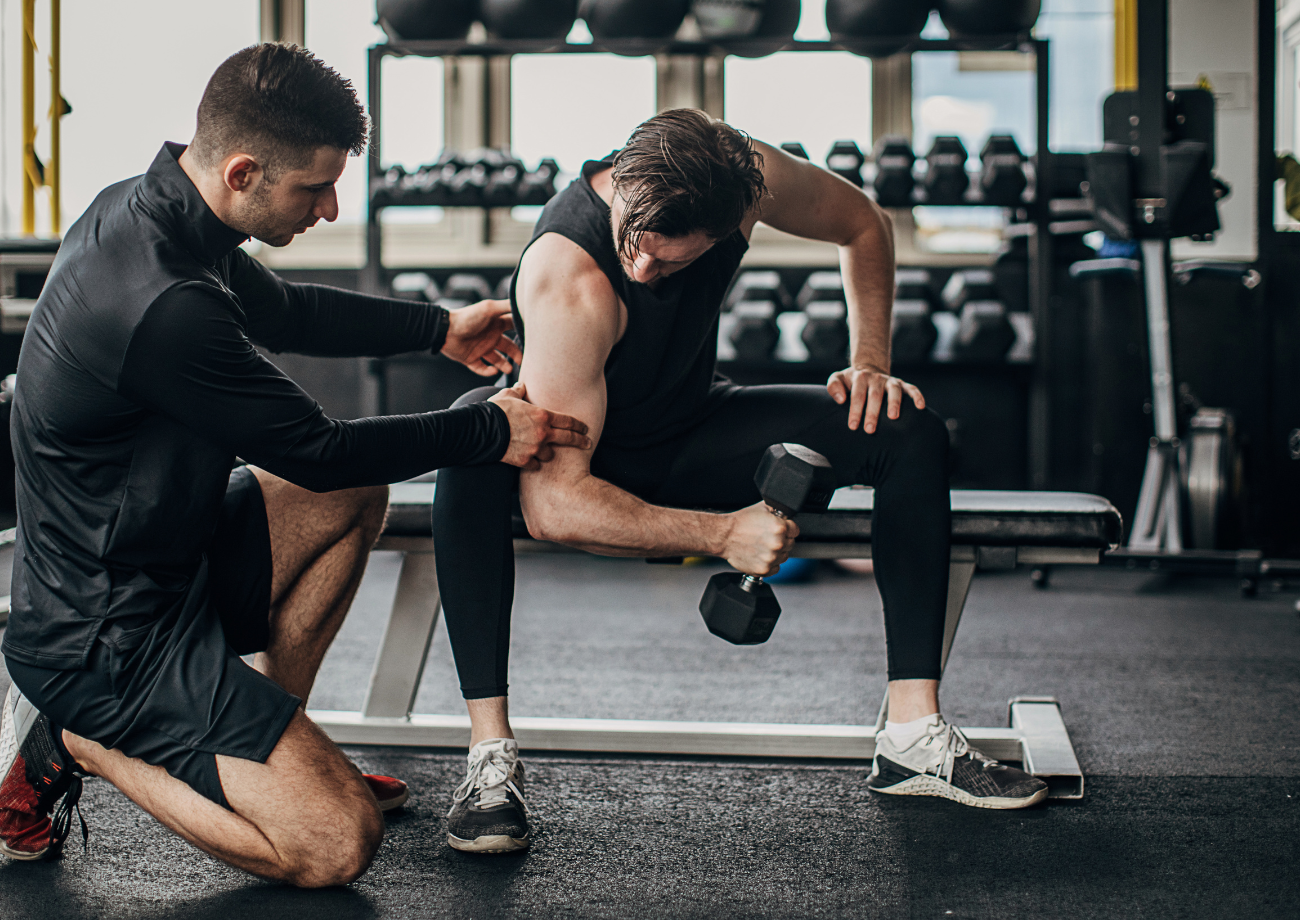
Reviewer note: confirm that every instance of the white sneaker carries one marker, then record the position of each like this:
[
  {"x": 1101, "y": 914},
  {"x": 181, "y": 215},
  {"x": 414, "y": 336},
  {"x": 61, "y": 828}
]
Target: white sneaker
[
  {"x": 488, "y": 813},
  {"x": 943, "y": 763}
]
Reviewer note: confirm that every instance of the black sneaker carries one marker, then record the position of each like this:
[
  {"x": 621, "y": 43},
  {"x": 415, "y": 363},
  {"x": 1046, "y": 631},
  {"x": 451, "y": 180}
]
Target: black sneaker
[
  {"x": 488, "y": 814},
  {"x": 943, "y": 763},
  {"x": 35, "y": 773}
]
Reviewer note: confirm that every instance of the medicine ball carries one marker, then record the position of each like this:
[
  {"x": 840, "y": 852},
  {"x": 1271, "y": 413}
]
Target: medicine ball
[
  {"x": 528, "y": 18},
  {"x": 748, "y": 22},
  {"x": 633, "y": 19},
  {"x": 988, "y": 17},
  {"x": 849, "y": 19},
  {"x": 425, "y": 20}
]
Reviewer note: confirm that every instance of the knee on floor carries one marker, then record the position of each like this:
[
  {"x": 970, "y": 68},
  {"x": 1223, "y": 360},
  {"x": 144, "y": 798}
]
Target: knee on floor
[{"x": 338, "y": 858}]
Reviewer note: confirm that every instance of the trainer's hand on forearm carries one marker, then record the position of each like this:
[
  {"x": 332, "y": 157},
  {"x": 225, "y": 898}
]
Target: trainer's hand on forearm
[
  {"x": 476, "y": 337},
  {"x": 865, "y": 389},
  {"x": 534, "y": 432},
  {"x": 757, "y": 540}
]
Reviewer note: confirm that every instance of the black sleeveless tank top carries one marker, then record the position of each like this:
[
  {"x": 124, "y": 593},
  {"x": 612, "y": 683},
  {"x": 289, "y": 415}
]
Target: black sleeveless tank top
[{"x": 660, "y": 376}]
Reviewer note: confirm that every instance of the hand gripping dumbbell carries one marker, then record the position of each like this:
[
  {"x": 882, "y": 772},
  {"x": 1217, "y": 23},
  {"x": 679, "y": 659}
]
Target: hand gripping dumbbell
[{"x": 741, "y": 608}]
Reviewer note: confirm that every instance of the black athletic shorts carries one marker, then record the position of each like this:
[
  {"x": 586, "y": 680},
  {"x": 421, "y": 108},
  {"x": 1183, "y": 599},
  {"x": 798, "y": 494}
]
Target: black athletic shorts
[{"x": 174, "y": 692}]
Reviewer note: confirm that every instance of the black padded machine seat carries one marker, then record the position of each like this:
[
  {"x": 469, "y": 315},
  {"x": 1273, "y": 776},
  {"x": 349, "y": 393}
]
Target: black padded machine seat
[{"x": 991, "y": 530}]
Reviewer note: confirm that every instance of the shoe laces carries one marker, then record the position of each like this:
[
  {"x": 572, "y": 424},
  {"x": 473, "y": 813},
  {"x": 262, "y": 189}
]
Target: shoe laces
[
  {"x": 953, "y": 746},
  {"x": 61, "y": 820},
  {"x": 491, "y": 774}
]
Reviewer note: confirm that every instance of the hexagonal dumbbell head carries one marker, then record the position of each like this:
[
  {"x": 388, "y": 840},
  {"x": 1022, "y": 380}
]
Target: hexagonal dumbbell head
[
  {"x": 742, "y": 617},
  {"x": 792, "y": 478}
]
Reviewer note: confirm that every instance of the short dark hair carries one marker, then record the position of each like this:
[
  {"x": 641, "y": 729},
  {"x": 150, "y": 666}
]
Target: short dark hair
[
  {"x": 682, "y": 171},
  {"x": 279, "y": 103}
]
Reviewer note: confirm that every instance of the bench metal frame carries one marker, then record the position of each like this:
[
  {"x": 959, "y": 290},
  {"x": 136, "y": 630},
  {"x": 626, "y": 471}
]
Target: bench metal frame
[{"x": 1036, "y": 734}]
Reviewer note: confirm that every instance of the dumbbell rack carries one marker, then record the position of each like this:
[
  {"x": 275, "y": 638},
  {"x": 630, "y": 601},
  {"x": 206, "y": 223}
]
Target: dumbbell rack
[{"x": 1037, "y": 208}]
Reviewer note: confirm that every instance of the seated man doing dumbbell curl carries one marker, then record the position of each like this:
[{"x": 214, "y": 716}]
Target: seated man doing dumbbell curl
[{"x": 617, "y": 298}]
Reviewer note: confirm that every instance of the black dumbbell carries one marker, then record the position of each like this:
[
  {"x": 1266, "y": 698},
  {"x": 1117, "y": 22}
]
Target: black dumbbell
[
  {"x": 985, "y": 334},
  {"x": 795, "y": 149},
  {"x": 969, "y": 284},
  {"x": 754, "y": 333},
  {"x": 945, "y": 171},
  {"x": 914, "y": 334},
  {"x": 1002, "y": 171},
  {"x": 893, "y": 182},
  {"x": 538, "y": 185},
  {"x": 759, "y": 285},
  {"x": 826, "y": 331},
  {"x": 414, "y": 286},
  {"x": 845, "y": 160},
  {"x": 791, "y": 479},
  {"x": 463, "y": 289},
  {"x": 820, "y": 286},
  {"x": 505, "y": 172},
  {"x": 467, "y": 185},
  {"x": 915, "y": 284}
]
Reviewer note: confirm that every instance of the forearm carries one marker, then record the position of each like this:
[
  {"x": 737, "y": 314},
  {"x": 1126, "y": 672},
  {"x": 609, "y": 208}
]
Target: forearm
[
  {"x": 867, "y": 266},
  {"x": 594, "y": 515},
  {"x": 333, "y": 322}
]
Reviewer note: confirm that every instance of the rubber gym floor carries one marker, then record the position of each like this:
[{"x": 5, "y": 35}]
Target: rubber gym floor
[{"x": 1180, "y": 697}]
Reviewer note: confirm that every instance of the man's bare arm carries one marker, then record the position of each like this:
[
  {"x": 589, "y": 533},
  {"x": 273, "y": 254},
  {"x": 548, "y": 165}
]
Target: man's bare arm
[
  {"x": 810, "y": 202},
  {"x": 572, "y": 320}
]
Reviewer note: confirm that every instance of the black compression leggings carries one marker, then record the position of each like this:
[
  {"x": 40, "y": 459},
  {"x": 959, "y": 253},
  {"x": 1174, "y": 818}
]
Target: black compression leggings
[{"x": 709, "y": 467}]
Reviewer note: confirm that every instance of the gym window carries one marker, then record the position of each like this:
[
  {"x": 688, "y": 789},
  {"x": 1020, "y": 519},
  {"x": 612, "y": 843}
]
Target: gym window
[
  {"x": 576, "y": 107},
  {"x": 815, "y": 98}
]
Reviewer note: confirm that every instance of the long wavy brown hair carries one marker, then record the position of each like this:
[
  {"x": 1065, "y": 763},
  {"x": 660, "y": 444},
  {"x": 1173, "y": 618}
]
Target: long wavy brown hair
[{"x": 683, "y": 171}]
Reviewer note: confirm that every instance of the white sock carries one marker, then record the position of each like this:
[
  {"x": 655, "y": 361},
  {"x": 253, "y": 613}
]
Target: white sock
[{"x": 906, "y": 734}]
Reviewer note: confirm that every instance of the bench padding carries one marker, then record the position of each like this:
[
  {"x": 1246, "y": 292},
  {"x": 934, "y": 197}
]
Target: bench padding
[{"x": 979, "y": 518}]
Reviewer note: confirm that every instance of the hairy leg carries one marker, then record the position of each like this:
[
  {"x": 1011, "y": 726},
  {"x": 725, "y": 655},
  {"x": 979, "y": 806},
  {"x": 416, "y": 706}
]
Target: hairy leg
[
  {"x": 304, "y": 817},
  {"x": 489, "y": 718},
  {"x": 320, "y": 543}
]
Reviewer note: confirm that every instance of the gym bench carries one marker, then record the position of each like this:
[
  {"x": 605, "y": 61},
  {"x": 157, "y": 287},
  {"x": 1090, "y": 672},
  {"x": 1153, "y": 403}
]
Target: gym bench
[{"x": 990, "y": 530}]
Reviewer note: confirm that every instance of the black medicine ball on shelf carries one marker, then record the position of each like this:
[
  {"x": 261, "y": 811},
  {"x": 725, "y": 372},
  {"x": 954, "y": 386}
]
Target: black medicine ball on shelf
[
  {"x": 633, "y": 23},
  {"x": 875, "y": 19},
  {"x": 528, "y": 18},
  {"x": 425, "y": 20},
  {"x": 988, "y": 17},
  {"x": 759, "y": 26}
]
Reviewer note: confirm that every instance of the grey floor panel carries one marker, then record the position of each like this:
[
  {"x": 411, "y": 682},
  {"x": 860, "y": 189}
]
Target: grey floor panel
[{"x": 702, "y": 840}]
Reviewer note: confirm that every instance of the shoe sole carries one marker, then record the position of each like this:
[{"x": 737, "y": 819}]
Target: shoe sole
[
  {"x": 396, "y": 801},
  {"x": 492, "y": 843},
  {"x": 932, "y": 785},
  {"x": 17, "y": 722},
  {"x": 19, "y": 854}
]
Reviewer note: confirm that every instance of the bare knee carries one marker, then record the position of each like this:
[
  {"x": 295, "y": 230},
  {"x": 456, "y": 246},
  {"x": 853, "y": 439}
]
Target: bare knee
[{"x": 339, "y": 858}]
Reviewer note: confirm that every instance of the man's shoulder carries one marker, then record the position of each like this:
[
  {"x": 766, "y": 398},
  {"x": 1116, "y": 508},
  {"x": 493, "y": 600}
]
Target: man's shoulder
[{"x": 555, "y": 263}]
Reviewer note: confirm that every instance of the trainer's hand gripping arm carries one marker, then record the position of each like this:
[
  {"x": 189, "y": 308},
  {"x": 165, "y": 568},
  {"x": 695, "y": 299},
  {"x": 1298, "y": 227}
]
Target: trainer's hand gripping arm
[
  {"x": 573, "y": 320},
  {"x": 810, "y": 202}
]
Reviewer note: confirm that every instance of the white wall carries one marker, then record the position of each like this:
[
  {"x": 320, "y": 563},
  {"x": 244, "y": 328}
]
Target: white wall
[{"x": 1217, "y": 38}]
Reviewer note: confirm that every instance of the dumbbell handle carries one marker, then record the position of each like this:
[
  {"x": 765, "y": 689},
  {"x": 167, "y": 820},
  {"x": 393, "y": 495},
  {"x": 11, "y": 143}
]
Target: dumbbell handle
[{"x": 750, "y": 583}]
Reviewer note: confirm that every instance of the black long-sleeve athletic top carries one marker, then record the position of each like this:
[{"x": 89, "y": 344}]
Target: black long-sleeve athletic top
[{"x": 138, "y": 385}]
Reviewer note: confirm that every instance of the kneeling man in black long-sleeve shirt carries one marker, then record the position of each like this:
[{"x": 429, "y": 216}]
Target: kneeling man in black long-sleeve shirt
[{"x": 144, "y": 567}]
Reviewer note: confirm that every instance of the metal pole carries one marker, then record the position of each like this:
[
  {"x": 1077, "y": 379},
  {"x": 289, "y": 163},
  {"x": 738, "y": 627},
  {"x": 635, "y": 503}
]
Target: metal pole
[
  {"x": 31, "y": 178},
  {"x": 54, "y": 177},
  {"x": 374, "y": 164},
  {"x": 1040, "y": 281},
  {"x": 1162, "y": 363}
]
